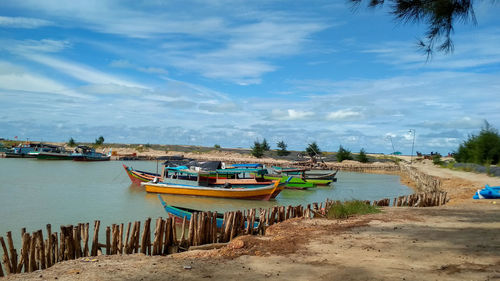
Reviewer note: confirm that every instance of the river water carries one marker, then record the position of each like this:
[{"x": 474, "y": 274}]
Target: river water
[{"x": 34, "y": 193}]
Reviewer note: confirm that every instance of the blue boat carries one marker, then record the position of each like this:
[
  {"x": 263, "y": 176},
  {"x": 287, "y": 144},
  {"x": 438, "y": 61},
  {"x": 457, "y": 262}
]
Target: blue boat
[
  {"x": 179, "y": 213},
  {"x": 488, "y": 192}
]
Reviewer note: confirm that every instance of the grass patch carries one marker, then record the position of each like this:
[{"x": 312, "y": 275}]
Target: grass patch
[{"x": 350, "y": 208}]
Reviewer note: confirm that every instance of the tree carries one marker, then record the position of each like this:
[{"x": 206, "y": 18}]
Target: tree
[
  {"x": 481, "y": 149},
  {"x": 265, "y": 145},
  {"x": 282, "y": 149},
  {"x": 313, "y": 149},
  {"x": 99, "y": 141},
  {"x": 343, "y": 154},
  {"x": 439, "y": 15},
  {"x": 362, "y": 156},
  {"x": 216, "y": 146},
  {"x": 71, "y": 142},
  {"x": 257, "y": 149}
]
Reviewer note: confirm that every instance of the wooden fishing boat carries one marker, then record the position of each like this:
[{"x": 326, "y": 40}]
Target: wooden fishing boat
[
  {"x": 179, "y": 213},
  {"x": 59, "y": 153},
  {"x": 256, "y": 193},
  {"x": 137, "y": 177},
  {"x": 21, "y": 151},
  {"x": 318, "y": 177},
  {"x": 294, "y": 183},
  {"x": 85, "y": 153}
]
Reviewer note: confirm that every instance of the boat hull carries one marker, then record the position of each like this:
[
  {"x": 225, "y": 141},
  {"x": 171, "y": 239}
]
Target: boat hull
[
  {"x": 294, "y": 183},
  {"x": 92, "y": 158},
  {"x": 138, "y": 177},
  {"x": 258, "y": 193},
  {"x": 53, "y": 156},
  {"x": 179, "y": 213}
]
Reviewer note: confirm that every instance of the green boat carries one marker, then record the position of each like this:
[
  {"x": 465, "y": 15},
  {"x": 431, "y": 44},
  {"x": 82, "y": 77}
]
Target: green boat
[
  {"x": 321, "y": 178},
  {"x": 57, "y": 153},
  {"x": 294, "y": 183}
]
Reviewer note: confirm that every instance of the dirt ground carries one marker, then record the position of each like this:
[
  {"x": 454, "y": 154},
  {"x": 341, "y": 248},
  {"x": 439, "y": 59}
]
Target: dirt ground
[{"x": 459, "y": 241}]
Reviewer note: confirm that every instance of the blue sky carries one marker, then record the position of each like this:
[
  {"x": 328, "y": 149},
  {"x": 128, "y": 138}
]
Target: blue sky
[{"x": 231, "y": 72}]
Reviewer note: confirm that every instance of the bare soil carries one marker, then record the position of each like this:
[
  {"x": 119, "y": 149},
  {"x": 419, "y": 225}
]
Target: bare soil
[{"x": 459, "y": 241}]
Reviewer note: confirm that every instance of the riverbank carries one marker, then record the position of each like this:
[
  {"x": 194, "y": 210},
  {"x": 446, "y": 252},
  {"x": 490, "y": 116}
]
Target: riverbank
[{"x": 455, "y": 242}]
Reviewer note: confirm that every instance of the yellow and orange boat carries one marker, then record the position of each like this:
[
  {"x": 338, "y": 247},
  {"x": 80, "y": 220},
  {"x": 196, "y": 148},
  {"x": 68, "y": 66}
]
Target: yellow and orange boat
[{"x": 256, "y": 193}]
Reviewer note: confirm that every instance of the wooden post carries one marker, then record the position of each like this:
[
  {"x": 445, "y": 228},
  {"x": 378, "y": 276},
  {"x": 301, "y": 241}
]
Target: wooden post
[
  {"x": 1, "y": 270},
  {"x": 168, "y": 234},
  {"x": 214, "y": 227},
  {"x": 6, "y": 259},
  {"x": 32, "y": 263},
  {"x": 25, "y": 255},
  {"x": 42, "y": 249},
  {"x": 86, "y": 240},
  {"x": 50, "y": 260},
  {"x": 126, "y": 244},
  {"x": 145, "y": 234},
  {"x": 184, "y": 223},
  {"x": 77, "y": 237},
  {"x": 95, "y": 239},
  {"x": 13, "y": 252},
  {"x": 137, "y": 237}
]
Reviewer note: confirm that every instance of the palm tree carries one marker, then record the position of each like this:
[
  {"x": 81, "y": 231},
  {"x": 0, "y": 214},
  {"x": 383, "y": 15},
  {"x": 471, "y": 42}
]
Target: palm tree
[{"x": 438, "y": 15}]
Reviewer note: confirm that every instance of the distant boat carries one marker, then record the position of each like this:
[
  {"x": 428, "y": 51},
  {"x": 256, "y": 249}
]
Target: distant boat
[
  {"x": 58, "y": 153},
  {"x": 21, "y": 151},
  {"x": 85, "y": 153},
  {"x": 318, "y": 177}
]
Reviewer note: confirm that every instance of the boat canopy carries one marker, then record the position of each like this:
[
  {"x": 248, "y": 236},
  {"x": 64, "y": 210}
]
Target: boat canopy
[
  {"x": 242, "y": 171},
  {"x": 247, "y": 165}
]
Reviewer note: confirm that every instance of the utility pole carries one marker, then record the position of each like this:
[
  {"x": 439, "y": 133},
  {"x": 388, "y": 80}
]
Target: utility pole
[{"x": 412, "y": 145}]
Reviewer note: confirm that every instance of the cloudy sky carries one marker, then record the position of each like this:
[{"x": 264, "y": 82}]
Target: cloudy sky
[{"x": 231, "y": 72}]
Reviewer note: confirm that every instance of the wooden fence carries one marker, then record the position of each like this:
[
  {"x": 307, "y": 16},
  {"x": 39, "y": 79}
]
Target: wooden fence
[{"x": 39, "y": 252}]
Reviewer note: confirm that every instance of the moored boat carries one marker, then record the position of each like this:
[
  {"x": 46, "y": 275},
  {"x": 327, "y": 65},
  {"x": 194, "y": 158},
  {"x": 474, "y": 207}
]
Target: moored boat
[
  {"x": 318, "y": 177},
  {"x": 256, "y": 193},
  {"x": 58, "y": 153},
  {"x": 137, "y": 176},
  {"x": 21, "y": 151},
  {"x": 85, "y": 153},
  {"x": 179, "y": 213}
]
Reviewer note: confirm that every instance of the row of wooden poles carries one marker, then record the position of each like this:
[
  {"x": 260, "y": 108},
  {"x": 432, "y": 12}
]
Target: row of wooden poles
[{"x": 72, "y": 242}]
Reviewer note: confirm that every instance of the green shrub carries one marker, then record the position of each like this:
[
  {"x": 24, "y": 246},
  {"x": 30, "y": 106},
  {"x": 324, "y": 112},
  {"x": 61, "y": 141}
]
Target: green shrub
[
  {"x": 362, "y": 156},
  {"x": 282, "y": 149},
  {"x": 436, "y": 159},
  {"x": 313, "y": 150},
  {"x": 350, "y": 208},
  {"x": 216, "y": 146},
  {"x": 481, "y": 148},
  {"x": 343, "y": 154},
  {"x": 71, "y": 142},
  {"x": 257, "y": 149},
  {"x": 265, "y": 145}
]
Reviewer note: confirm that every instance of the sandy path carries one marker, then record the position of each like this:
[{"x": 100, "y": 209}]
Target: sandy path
[{"x": 447, "y": 243}]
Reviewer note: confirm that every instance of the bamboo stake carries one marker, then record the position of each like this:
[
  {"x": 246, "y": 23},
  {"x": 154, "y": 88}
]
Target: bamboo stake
[
  {"x": 95, "y": 239},
  {"x": 13, "y": 252},
  {"x": 184, "y": 222},
  {"x": 145, "y": 234},
  {"x": 120, "y": 240},
  {"x": 214, "y": 227},
  {"x": 32, "y": 263},
  {"x": 6, "y": 258},
  {"x": 168, "y": 234},
  {"x": 127, "y": 245},
  {"x": 42, "y": 249}
]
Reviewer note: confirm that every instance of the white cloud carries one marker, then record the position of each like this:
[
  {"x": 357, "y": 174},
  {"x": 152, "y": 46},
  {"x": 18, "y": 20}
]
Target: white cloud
[
  {"x": 21, "y": 22},
  {"x": 344, "y": 114},
  {"x": 291, "y": 115},
  {"x": 15, "y": 78}
]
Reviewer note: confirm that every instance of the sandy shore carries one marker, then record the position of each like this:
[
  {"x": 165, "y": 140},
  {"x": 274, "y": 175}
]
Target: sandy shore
[{"x": 459, "y": 241}]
